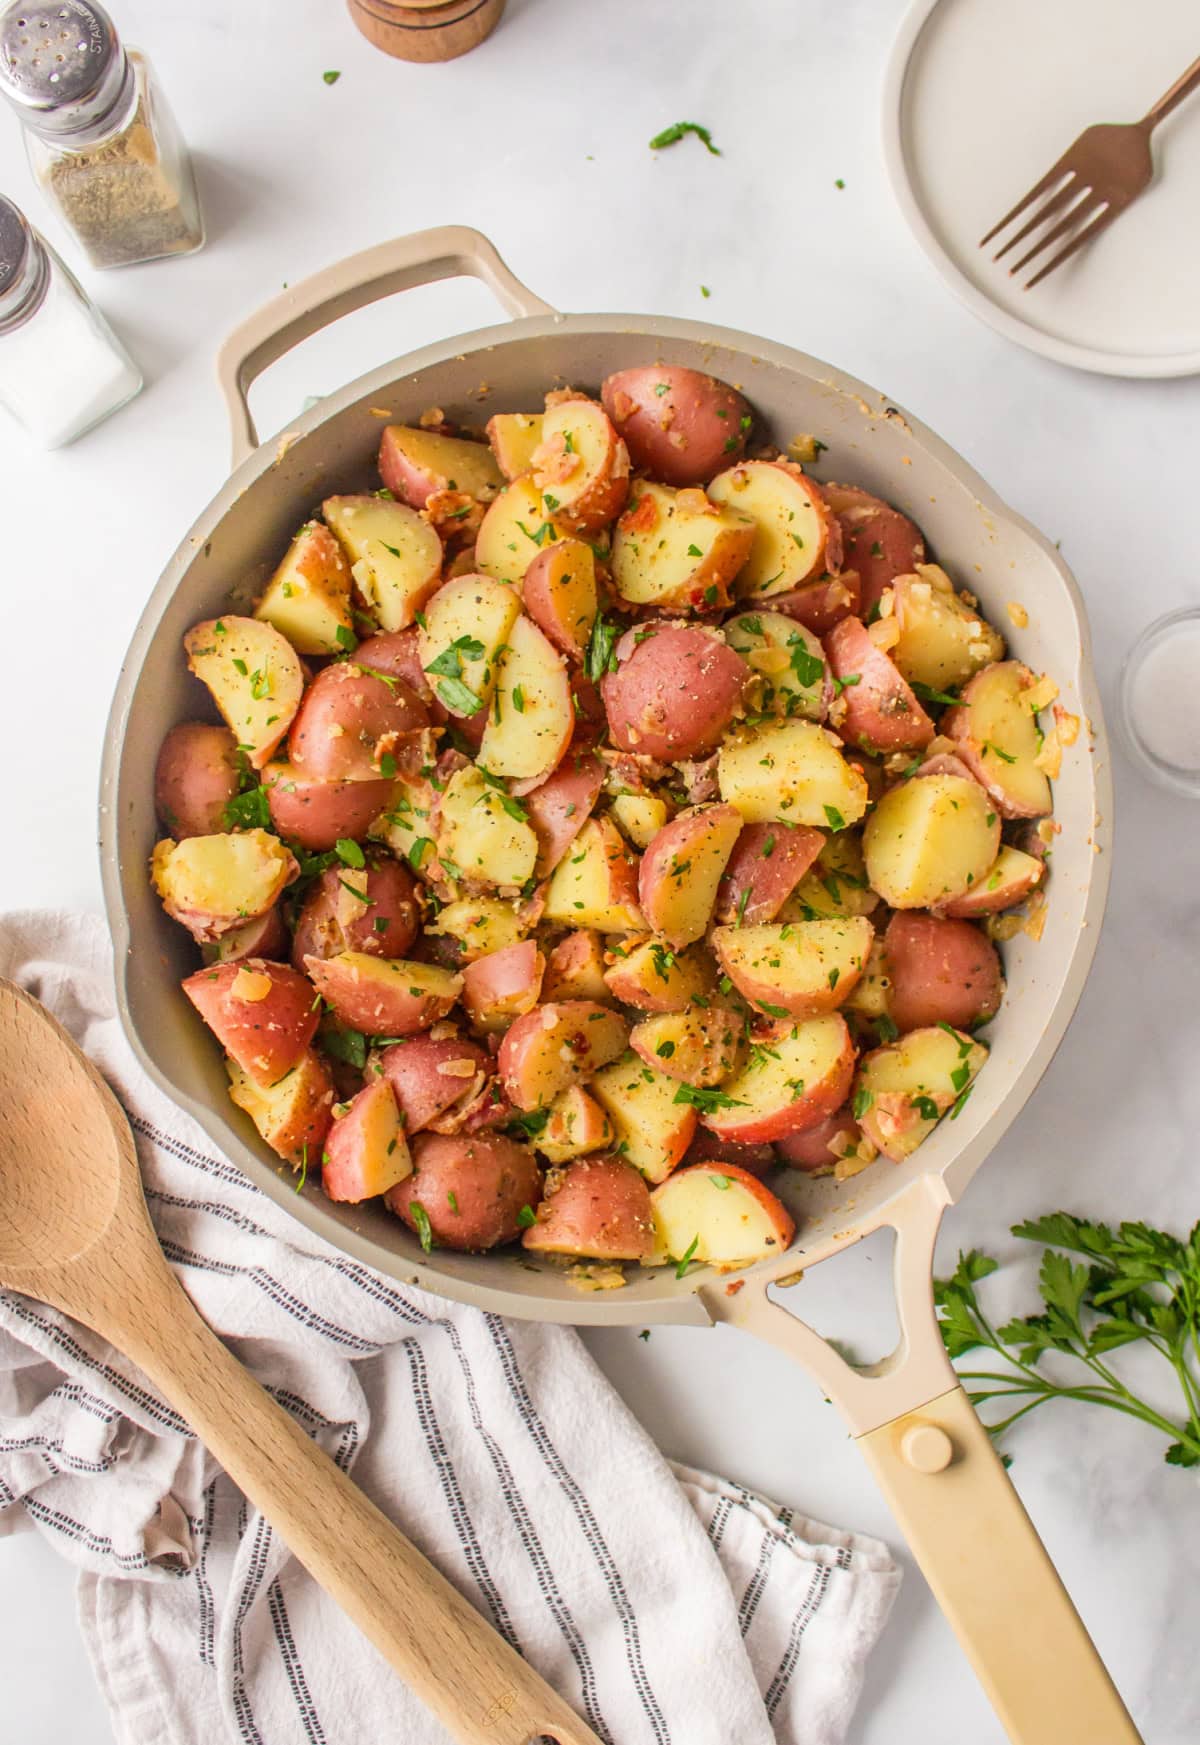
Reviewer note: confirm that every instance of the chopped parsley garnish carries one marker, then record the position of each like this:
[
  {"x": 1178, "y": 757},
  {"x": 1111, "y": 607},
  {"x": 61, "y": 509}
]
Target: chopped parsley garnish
[
  {"x": 420, "y": 1218},
  {"x": 348, "y": 852},
  {"x": 706, "y": 1101},
  {"x": 673, "y": 134},
  {"x": 682, "y": 1269},
  {"x": 834, "y": 817},
  {"x": 601, "y": 644}
]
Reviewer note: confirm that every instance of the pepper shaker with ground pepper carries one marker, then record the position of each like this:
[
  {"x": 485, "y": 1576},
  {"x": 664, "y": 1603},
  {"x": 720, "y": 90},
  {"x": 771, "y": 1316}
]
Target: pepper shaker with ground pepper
[{"x": 101, "y": 139}]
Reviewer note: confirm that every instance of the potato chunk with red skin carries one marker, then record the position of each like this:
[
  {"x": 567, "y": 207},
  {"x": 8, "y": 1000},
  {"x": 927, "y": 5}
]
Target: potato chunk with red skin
[
  {"x": 504, "y": 985},
  {"x": 416, "y": 464},
  {"x": 681, "y": 869},
  {"x": 596, "y": 1209},
  {"x": 877, "y": 710},
  {"x": 653, "y": 1130},
  {"x": 653, "y": 978},
  {"x": 675, "y": 691},
  {"x": 678, "y": 551},
  {"x": 383, "y": 996},
  {"x": 803, "y": 968},
  {"x": 308, "y": 598},
  {"x": 929, "y": 840},
  {"x": 797, "y": 538},
  {"x": 767, "y": 863},
  {"x": 561, "y": 805},
  {"x": 699, "y": 1046},
  {"x": 995, "y": 732},
  {"x": 513, "y": 437},
  {"x": 365, "y": 1151},
  {"x": 261, "y": 1012},
  {"x": 371, "y": 909},
  {"x": 941, "y": 972},
  {"x": 557, "y": 1045},
  {"x": 575, "y": 968},
  {"x": 397, "y": 654},
  {"x": 576, "y": 1124},
  {"x": 595, "y": 883},
  {"x": 679, "y": 425},
  {"x": 1010, "y": 880},
  {"x": 195, "y": 778},
  {"x": 253, "y": 675},
  {"x": 821, "y": 604},
  {"x": 293, "y": 1115},
  {"x": 903, "y": 1089},
  {"x": 317, "y": 814},
  {"x": 349, "y": 719},
  {"x": 214, "y": 884},
  {"x": 878, "y": 542},
  {"x": 265, "y": 936},
  {"x": 708, "y": 1147},
  {"x": 559, "y": 594},
  {"x": 721, "y": 1217},
  {"x": 802, "y": 1073},
  {"x": 476, "y": 1191},
  {"x": 817, "y": 1150},
  {"x": 581, "y": 466},
  {"x": 429, "y": 1075}
]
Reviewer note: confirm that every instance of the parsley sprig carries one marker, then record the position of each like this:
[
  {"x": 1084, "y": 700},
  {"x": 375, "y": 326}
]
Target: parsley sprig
[{"x": 1133, "y": 1285}]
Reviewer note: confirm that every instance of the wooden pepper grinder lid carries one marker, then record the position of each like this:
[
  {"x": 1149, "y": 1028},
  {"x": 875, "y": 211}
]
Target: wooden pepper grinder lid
[{"x": 426, "y": 30}]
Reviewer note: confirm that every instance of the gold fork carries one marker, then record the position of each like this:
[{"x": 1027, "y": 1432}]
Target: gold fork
[{"x": 1095, "y": 179}]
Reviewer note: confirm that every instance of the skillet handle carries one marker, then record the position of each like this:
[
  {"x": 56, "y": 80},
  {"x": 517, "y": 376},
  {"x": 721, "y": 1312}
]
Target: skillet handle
[
  {"x": 449, "y": 252},
  {"x": 993, "y": 1579},
  {"x": 951, "y": 1496}
]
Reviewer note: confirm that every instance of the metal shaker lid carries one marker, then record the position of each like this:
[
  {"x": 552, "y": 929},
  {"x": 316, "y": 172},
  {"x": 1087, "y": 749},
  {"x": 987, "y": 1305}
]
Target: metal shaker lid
[
  {"x": 62, "y": 67},
  {"x": 23, "y": 266}
]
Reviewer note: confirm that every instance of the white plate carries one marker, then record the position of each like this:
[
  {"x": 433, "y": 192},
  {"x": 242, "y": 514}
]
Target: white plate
[{"x": 982, "y": 96}]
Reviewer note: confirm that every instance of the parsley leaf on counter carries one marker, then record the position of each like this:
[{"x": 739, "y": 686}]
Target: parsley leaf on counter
[
  {"x": 673, "y": 134},
  {"x": 331, "y": 78},
  {"x": 1132, "y": 1285}
]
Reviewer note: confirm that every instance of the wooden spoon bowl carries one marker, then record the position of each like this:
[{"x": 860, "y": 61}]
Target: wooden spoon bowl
[{"x": 75, "y": 1232}]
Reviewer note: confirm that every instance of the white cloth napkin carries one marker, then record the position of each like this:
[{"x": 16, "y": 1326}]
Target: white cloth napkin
[{"x": 669, "y": 1607}]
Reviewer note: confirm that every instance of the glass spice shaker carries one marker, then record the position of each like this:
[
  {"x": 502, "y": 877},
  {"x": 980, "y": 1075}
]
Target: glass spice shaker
[
  {"x": 102, "y": 143},
  {"x": 61, "y": 367}
]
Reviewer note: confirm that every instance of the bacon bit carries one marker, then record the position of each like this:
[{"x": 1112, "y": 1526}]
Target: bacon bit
[
  {"x": 432, "y": 415},
  {"x": 1017, "y": 613},
  {"x": 642, "y": 517},
  {"x": 1068, "y": 725},
  {"x": 553, "y": 462},
  {"x": 250, "y": 984},
  {"x": 453, "y": 512},
  {"x": 622, "y": 406},
  {"x": 560, "y": 396},
  {"x": 734, "y": 1286}
]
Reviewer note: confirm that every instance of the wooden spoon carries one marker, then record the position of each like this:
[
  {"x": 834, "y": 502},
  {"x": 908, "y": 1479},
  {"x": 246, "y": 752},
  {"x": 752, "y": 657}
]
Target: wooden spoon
[{"x": 74, "y": 1232}]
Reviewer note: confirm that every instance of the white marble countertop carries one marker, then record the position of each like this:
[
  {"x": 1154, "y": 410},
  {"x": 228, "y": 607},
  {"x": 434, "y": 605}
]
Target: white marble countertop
[{"x": 539, "y": 139}]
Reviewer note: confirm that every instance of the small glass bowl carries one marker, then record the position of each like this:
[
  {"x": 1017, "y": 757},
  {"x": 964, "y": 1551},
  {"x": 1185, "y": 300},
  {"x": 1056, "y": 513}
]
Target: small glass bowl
[{"x": 1165, "y": 662}]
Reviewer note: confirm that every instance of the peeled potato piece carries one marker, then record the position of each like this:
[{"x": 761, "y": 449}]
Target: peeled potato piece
[
  {"x": 678, "y": 549},
  {"x": 793, "y": 771},
  {"x": 943, "y": 639},
  {"x": 719, "y": 1215},
  {"x": 798, "y": 536},
  {"x": 653, "y": 1130},
  {"x": 395, "y": 555},
  {"x": 802, "y": 968},
  {"x": 930, "y": 840},
  {"x": 902, "y": 1090},
  {"x": 212, "y": 884},
  {"x": 478, "y": 838},
  {"x": 308, "y": 597},
  {"x": 531, "y": 718},
  {"x": 253, "y": 674}
]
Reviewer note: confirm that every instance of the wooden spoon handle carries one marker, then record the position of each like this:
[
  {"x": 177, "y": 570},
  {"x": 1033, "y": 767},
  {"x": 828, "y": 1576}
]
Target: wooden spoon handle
[{"x": 477, "y": 1685}]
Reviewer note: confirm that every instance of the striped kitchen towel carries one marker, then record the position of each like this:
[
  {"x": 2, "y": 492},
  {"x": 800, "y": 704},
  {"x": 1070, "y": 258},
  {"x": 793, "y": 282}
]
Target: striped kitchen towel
[{"x": 668, "y": 1606}]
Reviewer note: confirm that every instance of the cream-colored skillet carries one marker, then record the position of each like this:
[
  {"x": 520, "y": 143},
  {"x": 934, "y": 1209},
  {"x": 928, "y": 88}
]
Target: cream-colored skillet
[{"x": 910, "y": 1418}]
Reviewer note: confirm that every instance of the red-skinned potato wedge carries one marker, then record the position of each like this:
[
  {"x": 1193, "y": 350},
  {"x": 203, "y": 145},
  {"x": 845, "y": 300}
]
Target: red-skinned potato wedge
[
  {"x": 929, "y": 840},
  {"x": 514, "y": 436},
  {"x": 558, "y": 1045},
  {"x": 797, "y": 539},
  {"x": 514, "y": 529},
  {"x": 559, "y": 594},
  {"x": 681, "y": 869},
  {"x": 416, "y": 464},
  {"x": 397, "y": 654},
  {"x": 1010, "y": 881},
  {"x": 365, "y": 1150},
  {"x": 821, "y": 604},
  {"x": 803, "y": 968},
  {"x": 995, "y": 732},
  {"x": 718, "y": 1217},
  {"x": 467, "y": 624},
  {"x": 596, "y": 1209},
  {"x": 767, "y": 863},
  {"x": 876, "y": 709},
  {"x": 212, "y": 884},
  {"x": 195, "y": 778},
  {"x": 835, "y": 884},
  {"x": 349, "y": 721},
  {"x": 901, "y": 1091},
  {"x": 560, "y": 806},
  {"x": 293, "y": 1115},
  {"x": 265, "y": 936},
  {"x": 678, "y": 424},
  {"x": 575, "y": 968},
  {"x": 477, "y": 926},
  {"x": 430, "y": 1074},
  {"x": 531, "y": 717},
  {"x": 576, "y": 1125},
  {"x": 653, "y": 1130},
  {"x": 639, "y": 817},
  {"x": 678, "y": 550},
  {"x": 473, "y": 1192},
  {"x": 675, "y": 691},
  {"x": 710, "y": 1148},
  {"x": 503, "y": 985},
  {"x": 395, "y": 555},
  {"x": 699, "y": 1046},
  {"x": 818, "y": 1150},
  {"x": 653, "y": 978},
  {"x": 878, "y": 543},
  {"x": 261, "y": 1012},
  {"x": 941, "y": 637},
  {"x": 581, "y": 466},
  {"x": 803, "y": 1074},
  {"x": 595, "y": 884},
  {"x": 479, "y": 836},
  {"x": 308, "y": 597},
  {"x": 941, "y": 971},
  {"x": 315, "y": 813},
  {"x": 793, "y": 772},
  {"x": 787, "y": 660},
  {"x": 383, "y": 996},
  {"x": 253, "y": 675},
  {"x": 371, "y": 908}
]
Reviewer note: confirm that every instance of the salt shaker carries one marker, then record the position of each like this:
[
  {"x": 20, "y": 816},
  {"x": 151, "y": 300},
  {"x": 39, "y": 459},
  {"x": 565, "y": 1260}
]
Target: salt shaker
[
  {"x": 61, "y": 367},
  {"x": 101, "y": 140}
]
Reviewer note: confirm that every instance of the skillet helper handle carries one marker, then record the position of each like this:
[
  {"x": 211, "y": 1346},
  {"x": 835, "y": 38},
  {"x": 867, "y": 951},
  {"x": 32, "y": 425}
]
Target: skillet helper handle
[
  {"x": 451, "y": 251},
  {"x": 448, "y": 1655},
  {"x": 993, "y": 1579}
]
